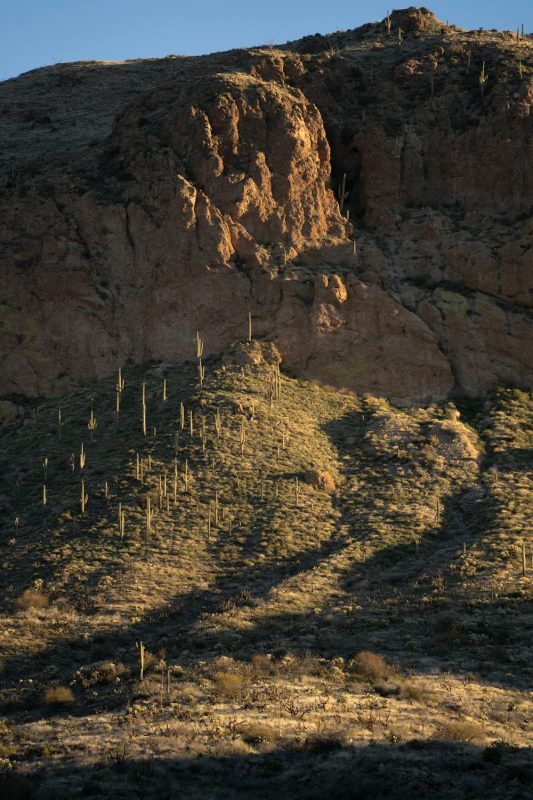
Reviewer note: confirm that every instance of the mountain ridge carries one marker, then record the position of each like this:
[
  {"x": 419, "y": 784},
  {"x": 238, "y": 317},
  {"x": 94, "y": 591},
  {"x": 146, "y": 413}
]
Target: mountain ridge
[{"x": 171, "y": 188}]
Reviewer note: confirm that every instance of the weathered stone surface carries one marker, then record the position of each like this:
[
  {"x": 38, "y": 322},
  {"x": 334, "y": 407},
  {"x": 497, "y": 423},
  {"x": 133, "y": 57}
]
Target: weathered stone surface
[
  {"x": 142, "y": 202},
  {"x": 255, "y": 352},
  {"x": 320, "y": 479}
]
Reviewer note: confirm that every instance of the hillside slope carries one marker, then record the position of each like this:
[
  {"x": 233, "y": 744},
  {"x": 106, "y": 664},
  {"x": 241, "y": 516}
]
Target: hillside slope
[
  {"x": 140, "y": 201},
  {"x": 326, "y": 572}
]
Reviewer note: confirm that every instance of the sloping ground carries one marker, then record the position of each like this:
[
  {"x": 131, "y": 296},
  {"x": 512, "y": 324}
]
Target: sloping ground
[{"x": 253, "y": 590}]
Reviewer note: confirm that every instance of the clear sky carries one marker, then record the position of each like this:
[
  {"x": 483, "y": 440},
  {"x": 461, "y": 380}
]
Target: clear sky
[{"x": 34, "y": 33}]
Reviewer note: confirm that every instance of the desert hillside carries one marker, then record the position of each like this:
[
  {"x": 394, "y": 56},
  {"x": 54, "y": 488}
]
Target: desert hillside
[
  {"x": 367, "y": 195},
  {"x": 266, "y": 422},
  {"x": 309, "y": 573}
]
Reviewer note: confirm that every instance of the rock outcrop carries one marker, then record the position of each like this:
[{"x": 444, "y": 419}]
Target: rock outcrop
[{"x": 142, "y": 202}]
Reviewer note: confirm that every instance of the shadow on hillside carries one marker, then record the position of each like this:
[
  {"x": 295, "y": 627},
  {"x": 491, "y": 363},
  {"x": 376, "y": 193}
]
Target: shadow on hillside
[
  {"x": 397, "y": 611},
  {"x": 315, "y": 768},
  {"x": 519, "y": 458}
]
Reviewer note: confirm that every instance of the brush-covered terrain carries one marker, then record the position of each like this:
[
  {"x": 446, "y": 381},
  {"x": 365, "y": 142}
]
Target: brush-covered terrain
[{"x": 328, "y": 593}]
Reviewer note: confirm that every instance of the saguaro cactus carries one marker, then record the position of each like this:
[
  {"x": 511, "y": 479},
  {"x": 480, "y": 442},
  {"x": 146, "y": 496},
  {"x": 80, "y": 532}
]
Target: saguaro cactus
[
  {"x": 119, "y": 389},
  {"x": 92, "y": 423},
  {"x": 199, "y": 354},
  {"x": 84, "y": 497},
  {"x": 141, "y": 648},
  {"x": 121, "y": 521},
  {"x": 218, "y": 422},
  {"x": 342, "y": 193},
  {"x": 148, "y": 515},
  {"x": 242, "y": 435},
  {"x": 144, "y": 409},
  {"x": 217, "y": 506},
  {"x": 483, "y": 78},
  {"x": 201, "y": 373}
]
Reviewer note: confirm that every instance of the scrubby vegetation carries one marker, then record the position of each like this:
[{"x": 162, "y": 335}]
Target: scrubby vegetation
[{"x": 211, "y": 602}]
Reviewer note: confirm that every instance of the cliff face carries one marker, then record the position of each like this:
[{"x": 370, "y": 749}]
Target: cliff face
[{"x": 141, "y": 202}]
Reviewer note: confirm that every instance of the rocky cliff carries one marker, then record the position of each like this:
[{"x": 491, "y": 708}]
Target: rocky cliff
[{"x": 367, "y": 196}]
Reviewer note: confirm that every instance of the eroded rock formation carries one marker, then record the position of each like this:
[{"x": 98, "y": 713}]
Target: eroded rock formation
[{"x": 141, "y": 202}]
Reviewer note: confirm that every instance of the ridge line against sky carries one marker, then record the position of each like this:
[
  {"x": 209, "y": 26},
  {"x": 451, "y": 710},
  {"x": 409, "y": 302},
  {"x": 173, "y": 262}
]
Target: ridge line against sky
[{"x": 36, "y": 33}]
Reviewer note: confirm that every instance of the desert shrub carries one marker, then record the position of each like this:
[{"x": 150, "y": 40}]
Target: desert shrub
[
  {"x": 301, "y": 666},
  {"x": 387, "y": 689},
  {"x": 428, "y": 452},
  {"x": 58, "y": 696},
  {"x": 151, "y": 660},
  {"x": 101, "y": 672},
  {"x": 371, "y": 666},
  {"x": 32, "y": 598},
  {"x": 396, "y": 734},
  {"x": 259, "y": 733},
  {"x": 409, "y": 691},
  {"x": 461, "y": 730},
  {"x": 234, "y": 748},
  {"x": 326, "y": 741},
  {"x": 228, "y": 684},
  {"x": 262, "y": 665},
  {"x": 242, "y": 598},
  {"x": 494, "y": 752}
]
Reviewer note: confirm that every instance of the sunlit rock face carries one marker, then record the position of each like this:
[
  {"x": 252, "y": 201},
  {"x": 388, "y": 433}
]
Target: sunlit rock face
[{"x": 141, "y": 202}]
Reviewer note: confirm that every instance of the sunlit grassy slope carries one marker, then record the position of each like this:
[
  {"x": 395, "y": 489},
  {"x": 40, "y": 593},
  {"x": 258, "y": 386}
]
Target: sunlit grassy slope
[{"x": 415, "y": 554}]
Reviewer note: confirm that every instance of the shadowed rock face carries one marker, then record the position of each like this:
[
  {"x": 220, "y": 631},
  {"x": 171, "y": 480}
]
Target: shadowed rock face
[{"x": 143, "y": 201}]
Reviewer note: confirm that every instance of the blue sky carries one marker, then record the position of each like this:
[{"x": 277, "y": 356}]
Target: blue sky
[{"x": 34, "y": 33}]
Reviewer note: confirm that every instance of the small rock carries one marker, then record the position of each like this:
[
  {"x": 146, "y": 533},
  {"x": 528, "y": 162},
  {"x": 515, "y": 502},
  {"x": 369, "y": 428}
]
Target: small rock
[{"x": 320, "y": 479}]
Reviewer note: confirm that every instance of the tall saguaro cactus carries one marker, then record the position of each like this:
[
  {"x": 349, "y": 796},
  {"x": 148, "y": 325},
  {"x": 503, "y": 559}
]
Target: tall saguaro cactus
[
  {"x": 144, "y": 409},
  {"x": 84, "y": 497},
  {"x": 119, "y": 389},
  {"x": 148, "y": 515},
  {"x": 483, "y": 78}
]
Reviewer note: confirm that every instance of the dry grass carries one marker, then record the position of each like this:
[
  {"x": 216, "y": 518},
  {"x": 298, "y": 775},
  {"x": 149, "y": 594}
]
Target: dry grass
[
  {"x": 462, "y": 731},
  {"x": 259, "y": 733},
  {"x": 228, "y": 684},
  {"x": 371, "y": 666},
  {"x": 32, "y": 598},
  {"x": 58, "y": 696}
]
